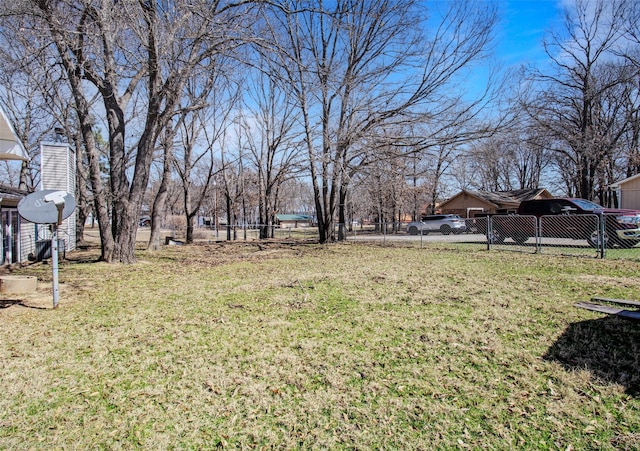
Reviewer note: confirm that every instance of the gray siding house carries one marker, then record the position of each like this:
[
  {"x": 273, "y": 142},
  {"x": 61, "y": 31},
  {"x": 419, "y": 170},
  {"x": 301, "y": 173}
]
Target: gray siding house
[{"x": 21, "y": 239}]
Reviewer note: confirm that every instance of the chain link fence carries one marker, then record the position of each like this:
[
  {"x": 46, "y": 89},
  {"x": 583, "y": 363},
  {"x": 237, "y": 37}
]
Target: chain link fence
[
  {"x": 594, "y": 236},
  {"x": 589, "y": 235},
  {"x": 579, "y": 235},
  {"x": 563, "y": 234}
]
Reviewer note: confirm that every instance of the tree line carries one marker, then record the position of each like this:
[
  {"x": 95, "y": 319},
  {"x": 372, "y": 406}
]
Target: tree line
[{"x": 346, "y": 110}]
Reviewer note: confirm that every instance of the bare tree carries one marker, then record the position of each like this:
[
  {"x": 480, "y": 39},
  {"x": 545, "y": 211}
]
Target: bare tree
[
  {"x": 515, "y": 158},
  {"x": 296, "y": 195},
  {"x": 38, "y": 98},
  {"x": 230, "y": 179},
  {"x": 30, "y": 96},
  {"x": 343, "y": 65},
  {"x": 122, "y": 50},
  {"x": 39, "y": 57},
  {"x": 273, "y": 150},
  {"x": 204, "y": 112},
  {"x": 166, "y": 143},
  {"x": 385, "y": 197},
  {"x": 575, "y": 105},
  {"x": 631, "y": 139},
  {"x": 489, "y": 161},
  {"x": 188, "y": 159},
  {"x": 631, "y": 97},
  {"x": 529, "y": 157}
]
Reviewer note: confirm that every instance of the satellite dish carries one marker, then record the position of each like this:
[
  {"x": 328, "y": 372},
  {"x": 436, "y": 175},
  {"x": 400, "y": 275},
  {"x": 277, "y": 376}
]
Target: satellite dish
[{"x": 41, "y": 207}]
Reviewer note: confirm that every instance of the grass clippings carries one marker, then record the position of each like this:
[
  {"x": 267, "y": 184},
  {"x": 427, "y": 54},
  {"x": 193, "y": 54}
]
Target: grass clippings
[{"x": 302, "y": 346}]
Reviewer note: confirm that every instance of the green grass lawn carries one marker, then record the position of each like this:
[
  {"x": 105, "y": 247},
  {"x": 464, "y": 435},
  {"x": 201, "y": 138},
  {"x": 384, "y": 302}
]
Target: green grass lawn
[{"x": 302, "y": 346}]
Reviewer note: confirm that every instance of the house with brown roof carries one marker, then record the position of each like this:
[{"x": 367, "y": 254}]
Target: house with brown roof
[{"x": 468, "y": 204}]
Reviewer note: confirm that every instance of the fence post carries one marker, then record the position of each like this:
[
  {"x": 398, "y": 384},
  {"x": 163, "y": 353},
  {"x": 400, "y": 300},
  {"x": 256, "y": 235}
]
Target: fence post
[
  {"x": 489, "y": 232},
  {"x": 538, "y": 230},
  {"x": 602, "y": 232}
]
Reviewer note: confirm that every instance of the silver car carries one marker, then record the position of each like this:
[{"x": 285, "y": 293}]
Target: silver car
[{"x": 444, "y": 224}]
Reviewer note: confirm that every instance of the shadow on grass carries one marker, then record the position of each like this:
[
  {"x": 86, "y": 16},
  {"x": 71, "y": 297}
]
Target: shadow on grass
[
  {"x": 6, "y": 303},
  {"x": 608, "y": 347},
  {"x": 83, "y": 254}
]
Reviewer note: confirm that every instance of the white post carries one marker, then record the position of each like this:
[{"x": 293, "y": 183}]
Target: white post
[{"x": 54, "y": 263}]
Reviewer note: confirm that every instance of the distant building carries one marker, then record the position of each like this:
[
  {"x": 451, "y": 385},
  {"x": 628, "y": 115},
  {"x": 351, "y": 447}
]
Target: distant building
[
  {"x": 468, "y": 204},
  {"x": 628, "y": 192},
  {"x": 295, "y": 221}
]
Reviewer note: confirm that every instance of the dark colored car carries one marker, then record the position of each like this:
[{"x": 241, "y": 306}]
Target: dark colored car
[{"x": 621, "y": 226}]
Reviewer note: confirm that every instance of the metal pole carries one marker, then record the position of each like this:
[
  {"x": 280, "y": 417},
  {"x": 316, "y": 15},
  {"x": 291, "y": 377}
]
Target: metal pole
[
  {"x": 603, "y": 233},
  {"x": 539, "y": 224},
  {"x": 54, "y": 263}
]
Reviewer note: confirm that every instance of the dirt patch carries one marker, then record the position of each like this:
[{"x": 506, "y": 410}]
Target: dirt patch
[{"x": 41, "y": 299}]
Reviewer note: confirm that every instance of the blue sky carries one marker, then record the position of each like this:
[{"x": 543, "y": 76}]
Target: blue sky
[
  {"x": 523, "y": 26},
  {"x": 518, "y": 39}
]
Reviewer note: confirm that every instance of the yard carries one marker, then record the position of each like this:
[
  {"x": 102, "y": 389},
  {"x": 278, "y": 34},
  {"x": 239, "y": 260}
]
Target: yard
[{"x": 293, "y": 345}]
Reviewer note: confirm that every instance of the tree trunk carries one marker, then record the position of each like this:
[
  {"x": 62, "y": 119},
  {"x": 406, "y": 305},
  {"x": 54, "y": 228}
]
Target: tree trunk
[
  {"x": 342, "y": 217},
  {"x": 101, "y": 209},
  {"x": 126, "y": 208},
  {"x": 324, "y": 226},
  {"x": 156, "y": 217},
  {"x": 158, "y": 210},
  {"x": 126, "y": 200},
  {"x": 82, "y": 192},
  {"x": 228, "y": 198},
  {"x": 124, "y": 251},
  {"x": 190, "y": 221},
  {"x": 86, "y": 129}
]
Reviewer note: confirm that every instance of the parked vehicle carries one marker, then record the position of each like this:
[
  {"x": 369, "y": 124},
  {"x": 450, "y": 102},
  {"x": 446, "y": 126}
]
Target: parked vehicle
[
  {"x": 445, "y": 224},
  {"x": 622, "y": 227}
]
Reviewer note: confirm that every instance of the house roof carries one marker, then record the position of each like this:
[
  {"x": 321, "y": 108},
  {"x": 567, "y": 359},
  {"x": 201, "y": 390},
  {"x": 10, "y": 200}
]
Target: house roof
[
  {"x": 627, "y": 180},
  {"x": 517, "y": 195},
  {"x": 510, "y": 198},
  {"x": 11, "y": 147},
  {"x": 10, "y": 196},
  {"x": 9, "y": 191},
  {"x": 467, "y": 193},
  {"x": 294, "y": 218}
]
